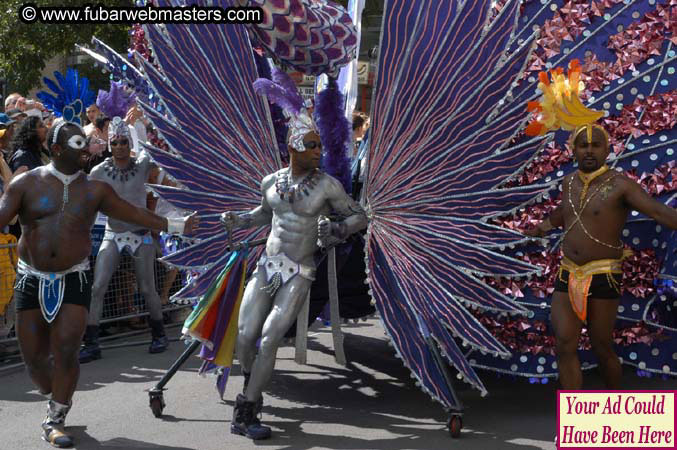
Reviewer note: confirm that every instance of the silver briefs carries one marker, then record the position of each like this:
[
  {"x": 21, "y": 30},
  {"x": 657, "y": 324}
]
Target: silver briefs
[
  {"x": 128, "y": 239},
  {"x": 287, "y": 268}
]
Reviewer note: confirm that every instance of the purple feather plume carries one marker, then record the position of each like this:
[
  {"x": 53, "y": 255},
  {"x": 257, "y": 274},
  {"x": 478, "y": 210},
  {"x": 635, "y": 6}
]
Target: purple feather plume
[
  {"x": 116, "y": 102},
  {"x": 276, "y": 113},
  {"x": 335, "y": 132},
  {"x": 276, "y": 94},
  {"x": 282, "y": 78},
  {"x": 281, "y": 90}
]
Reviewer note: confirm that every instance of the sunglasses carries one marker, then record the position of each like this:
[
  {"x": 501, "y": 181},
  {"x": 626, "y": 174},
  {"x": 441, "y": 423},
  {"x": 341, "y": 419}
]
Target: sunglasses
[
  {"x": 119, "y": 142},
  {"x": 312, "y": 145}
]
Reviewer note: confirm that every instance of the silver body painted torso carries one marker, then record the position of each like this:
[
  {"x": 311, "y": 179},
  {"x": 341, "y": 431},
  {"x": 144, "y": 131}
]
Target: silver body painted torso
[
  {"x": 268, "y": 311},
  {"x": 294, "y": 225},
  {"x": 132, "y": 190}
]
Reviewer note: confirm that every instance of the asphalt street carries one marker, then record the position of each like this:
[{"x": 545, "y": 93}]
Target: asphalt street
[{"x": 371, "y": 404}]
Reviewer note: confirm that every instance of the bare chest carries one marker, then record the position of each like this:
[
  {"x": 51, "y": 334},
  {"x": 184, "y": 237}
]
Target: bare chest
[
  {"x": 599, "y": 201},
  {"x": 52, "y": 201}
]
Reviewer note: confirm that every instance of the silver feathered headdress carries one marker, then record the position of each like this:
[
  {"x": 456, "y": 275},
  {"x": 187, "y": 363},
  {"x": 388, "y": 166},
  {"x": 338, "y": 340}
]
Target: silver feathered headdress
[{"x": 282, "y": 91}]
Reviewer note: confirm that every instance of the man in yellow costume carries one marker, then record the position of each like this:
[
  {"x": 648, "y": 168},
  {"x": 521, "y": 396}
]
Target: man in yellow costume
[{"x": 595, "y": 205}]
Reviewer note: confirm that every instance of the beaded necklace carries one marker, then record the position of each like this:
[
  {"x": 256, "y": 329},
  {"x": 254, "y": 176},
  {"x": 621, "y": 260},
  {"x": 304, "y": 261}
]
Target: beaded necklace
[
  {"x": 66, "y": 180},
  {"x": 587, "y": 178},
  {"x": 290, "y": 193},
  {"x": 125, "y": 174},
  {"x": 584, "y": 204}
]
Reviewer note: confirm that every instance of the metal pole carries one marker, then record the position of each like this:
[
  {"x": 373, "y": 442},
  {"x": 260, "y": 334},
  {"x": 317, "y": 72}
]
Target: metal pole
[
  {"x": 249, "y": 244},
  {"x": 17, "y": 354},
  {"x": 133, "y": 316},
  {"x": 444, "y": 368},
  {"x": 117, "y": 335},
  {"x": 177, "y": 365}
]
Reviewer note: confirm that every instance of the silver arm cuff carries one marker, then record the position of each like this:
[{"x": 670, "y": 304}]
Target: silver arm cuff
[{"x": 176, "y": 226}]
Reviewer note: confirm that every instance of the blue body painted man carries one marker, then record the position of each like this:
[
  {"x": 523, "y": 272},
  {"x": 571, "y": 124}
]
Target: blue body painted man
[{"x": 57, "y": 205}]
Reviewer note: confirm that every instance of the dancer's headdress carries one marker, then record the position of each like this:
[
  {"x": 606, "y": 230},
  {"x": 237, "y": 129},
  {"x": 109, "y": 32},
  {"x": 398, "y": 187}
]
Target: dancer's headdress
[
  {"x": 560, "y": 106},
  {"x": 115, "y": 104},
  {"x": 118, "y": 127},
  {"x": 73, "y": 96},
  {"x": 282, "y": 91},
  {"x": 328, "y": 121}
]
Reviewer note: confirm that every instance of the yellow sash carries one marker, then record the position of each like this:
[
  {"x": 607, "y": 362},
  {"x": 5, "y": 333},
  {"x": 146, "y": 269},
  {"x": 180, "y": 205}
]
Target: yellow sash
[{"x": 580, "y": 278}]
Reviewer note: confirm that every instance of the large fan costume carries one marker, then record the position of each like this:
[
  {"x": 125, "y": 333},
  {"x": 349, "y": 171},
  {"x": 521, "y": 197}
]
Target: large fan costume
[
  {"x": 451, "y": 178},
  {"x": 626, "y": 73}
]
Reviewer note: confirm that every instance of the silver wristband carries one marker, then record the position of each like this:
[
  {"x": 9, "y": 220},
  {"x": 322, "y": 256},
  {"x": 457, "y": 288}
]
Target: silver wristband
[{"x": 176, "y": 226}]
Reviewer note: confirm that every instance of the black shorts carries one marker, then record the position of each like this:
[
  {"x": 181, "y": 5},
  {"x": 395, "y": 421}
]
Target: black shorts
[
  {"x": 604, "y": 285},
  {"x": 75, "y": 293}
]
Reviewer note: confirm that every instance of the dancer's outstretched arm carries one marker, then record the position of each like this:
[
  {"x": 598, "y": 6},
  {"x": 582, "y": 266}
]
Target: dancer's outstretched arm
[
  {"x": 114, "y": 206},
  {"x": 257, "y": 217},
  {"x": 637, "y": 198},
  {"x": 554, "y": 220}
]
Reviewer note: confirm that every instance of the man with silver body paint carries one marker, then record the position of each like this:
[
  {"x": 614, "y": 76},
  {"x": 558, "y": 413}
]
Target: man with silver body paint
[
  {"x": 295, "y": 201},
  {"x": 127, "y": 176}
]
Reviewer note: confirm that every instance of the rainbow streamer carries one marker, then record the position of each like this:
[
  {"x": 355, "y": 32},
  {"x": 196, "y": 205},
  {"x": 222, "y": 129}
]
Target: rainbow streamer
[{"x": 214, "y": 320}]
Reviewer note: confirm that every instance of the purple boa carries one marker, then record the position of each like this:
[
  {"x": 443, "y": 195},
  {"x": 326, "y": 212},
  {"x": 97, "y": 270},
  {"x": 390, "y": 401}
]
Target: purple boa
[
  {"x": 276, "y": 113},
  {"x": 335, "y": 132}
]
